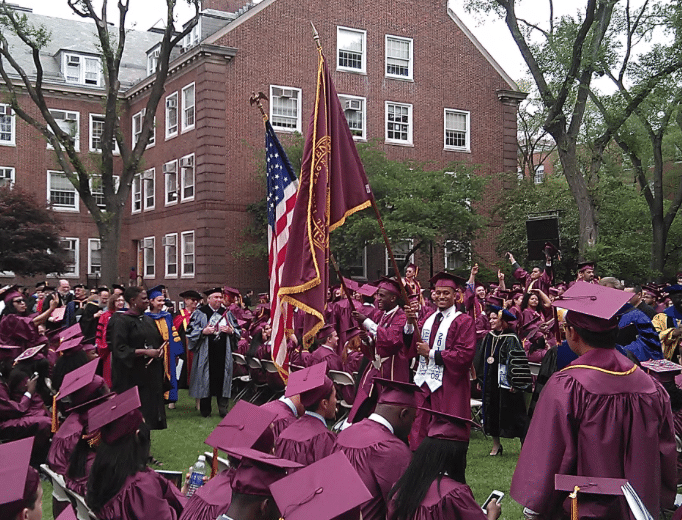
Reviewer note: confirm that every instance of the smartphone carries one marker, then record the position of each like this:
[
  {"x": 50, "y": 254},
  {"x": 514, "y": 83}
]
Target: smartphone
[
  {"x": 34, "y": 376},
  {"x": 495, "y": 495}
]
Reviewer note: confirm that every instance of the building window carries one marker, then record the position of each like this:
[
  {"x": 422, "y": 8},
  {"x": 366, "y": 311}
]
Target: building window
[
  {"x": 96, "y": 131},
  {"x": 97, "y": 189},
  {"x": 354, "y": 110},
  {"x": 7, "y": 125},
  {"x": 137, "y": 193},
  {"x": 61, "y": 193},
  {"x": 172, "y": 115},
  {"x": 138, "y": 120},
  {"x": 170, "y": 248},
  {"x": 149, "y": 189},
  {"x": 94, "y": 256},
  {"x": 148, "y": 257},
  {"x": 192, "y": 38},
  {"x": 188, "y": 107},
  {"x": 456, "y": 254},
  {"x": 400, "y": 250},
  {"x": 398, "y": 123},
  {"x": 188, "y": 254},
  {"x": 457, "y": 130},
  {"x": 285, "y": 108},
  {"x": 357, "y": 268},
  {"x": 351, "y": 47},
  {"x": 70, "y": 245},
  {"x": 539, "y": 174},
  {"x": 170, "y": 173},
  {"x": 83, "y": 70},
  {"x": 398, "y": 57},
  {"x": 6, "y": 176},
  {"x": 187, "y": 177},
  {"x": 153, "y": 60},
  {"x": 69, "y": 122}
]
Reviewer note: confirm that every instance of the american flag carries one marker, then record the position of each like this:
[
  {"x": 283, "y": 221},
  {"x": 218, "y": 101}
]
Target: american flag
[{"x": 282, "y": 189}]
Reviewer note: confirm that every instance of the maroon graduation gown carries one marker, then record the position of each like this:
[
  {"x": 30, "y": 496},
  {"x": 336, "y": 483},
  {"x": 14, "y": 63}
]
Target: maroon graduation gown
[
  {"x": 285, "y": 416},
  {"x": 212, "y": 499},
  {"x": 305, "y": 441},
  {"x": 64, "y": 442},
  {"x": 379, "y": 457},
  {"x": 445, "y": 500},
  {"x": 146, "y": 494},
  {"x": 590, "y": 422},
  {"x": 543, "y": 282}
]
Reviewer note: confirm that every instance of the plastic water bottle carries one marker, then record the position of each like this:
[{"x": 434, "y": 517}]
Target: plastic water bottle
[{"x": 196, "y": 478}]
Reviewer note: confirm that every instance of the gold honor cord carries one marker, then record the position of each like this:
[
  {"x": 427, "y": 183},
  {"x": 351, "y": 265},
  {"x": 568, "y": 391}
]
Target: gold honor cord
[
  {"x": 574, "y": 503},
  {"x": 610, "y": 372}
]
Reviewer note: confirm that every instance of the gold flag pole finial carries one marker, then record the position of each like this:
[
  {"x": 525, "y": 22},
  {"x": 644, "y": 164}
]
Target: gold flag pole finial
[
  {"x": 316, "y": 36},
  {"x": 256, "y": 100}
]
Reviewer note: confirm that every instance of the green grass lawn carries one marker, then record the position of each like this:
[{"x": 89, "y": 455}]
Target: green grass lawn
[{"x": 182, "y": 442}]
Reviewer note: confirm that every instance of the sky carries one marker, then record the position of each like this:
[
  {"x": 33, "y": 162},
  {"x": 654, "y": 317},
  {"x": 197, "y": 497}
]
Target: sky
[{"x": 493, "y": 34}]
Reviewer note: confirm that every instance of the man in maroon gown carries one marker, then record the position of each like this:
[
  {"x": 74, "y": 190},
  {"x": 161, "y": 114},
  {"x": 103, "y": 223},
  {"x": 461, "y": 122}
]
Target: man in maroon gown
[
  {"x": 601, "y": 416},
  {"x": 539, "y": 277},
  {"x": 286, "y": 410},
  {"x": 376, "y": 447}
]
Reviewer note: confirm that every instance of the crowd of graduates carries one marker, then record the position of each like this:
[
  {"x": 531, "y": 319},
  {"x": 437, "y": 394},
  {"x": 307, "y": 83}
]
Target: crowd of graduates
[{"x": 585, "y": 373}]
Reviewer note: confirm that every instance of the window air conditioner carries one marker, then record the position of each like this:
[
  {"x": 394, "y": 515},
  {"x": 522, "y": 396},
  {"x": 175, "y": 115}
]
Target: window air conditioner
[
  {"x": 353, "y": 104},
  {"x": 168, "y": 241},
  {"x": 187, "y": 162},
  {"x": 169, "y": 167}
]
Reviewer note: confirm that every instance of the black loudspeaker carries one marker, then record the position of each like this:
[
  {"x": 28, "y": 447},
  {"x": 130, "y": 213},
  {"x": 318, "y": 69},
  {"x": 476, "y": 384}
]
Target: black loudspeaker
[{"x": 538, "y": 232}]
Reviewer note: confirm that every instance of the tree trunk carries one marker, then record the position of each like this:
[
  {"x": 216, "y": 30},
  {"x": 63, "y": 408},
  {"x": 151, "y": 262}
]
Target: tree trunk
[
  {"x": 658, "y": 243},
  {"x": 110, "y": 240}
]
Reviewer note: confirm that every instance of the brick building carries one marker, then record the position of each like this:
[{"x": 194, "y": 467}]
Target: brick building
[{"x": 409, "y": 73}]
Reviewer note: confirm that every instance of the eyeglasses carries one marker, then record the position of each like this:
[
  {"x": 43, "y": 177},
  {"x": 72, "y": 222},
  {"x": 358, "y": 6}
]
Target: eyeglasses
[{"x": 18, "y": 301}]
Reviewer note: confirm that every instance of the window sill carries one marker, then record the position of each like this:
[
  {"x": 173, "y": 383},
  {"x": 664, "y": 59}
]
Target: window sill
[
  {"x": 187, "y": 276},
  {"x": 4, "y": 143},
  {"x": 188, "y": 129},
  {"x": 400, "y": 78},
  {"x": 453, "y": 149},
  {"x": 352, "y": 71},
  {"x": 171, "y": 277},
  {"x": 171, "y": 136},
  {"x": 399, "y": 143},
  {"x": 285, "y": 130},
  {"x": 188, "y": 199},
  {"x": 65, "y": 210},
  {"x": 174, "y": 203}
]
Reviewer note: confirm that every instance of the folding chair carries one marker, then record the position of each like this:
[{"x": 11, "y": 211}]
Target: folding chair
[
  {"x": 255, "y": 364},
  {"x": 476, "y": 410},
  {"x": 342, "y": 379},
  {"x": 223, "y": 464},
  {"x": 58, "y": 485},
  {"x": 239, "y": 359},
  {"x": 83, "y": 512},
  {"x": 274, "y": 380}
]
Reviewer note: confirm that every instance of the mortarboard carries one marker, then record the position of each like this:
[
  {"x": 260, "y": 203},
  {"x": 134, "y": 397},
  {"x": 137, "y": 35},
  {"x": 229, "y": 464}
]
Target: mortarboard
[
  {"x": 79, "y": 286},
  {"x": 11, "y": 294},
  {"x": 314, "y": 491},
  {"x": 18, "y": 481},
  {"x": 78, "y": 379},
  {"x": 42, "y": 283},
  {"x": 155, "y": 291},
  {"x": 28, "y": 353},
  {"x": 352, "y": 332},
  {"x": 592, "y": 485},
  {"x": 209, "y": 292},
  {"x": 118, "y": 286},
  {"x": 67, "y": 514},
  {"x": 503, "y": 314},
  {"x": 550, "y": 249},
  {"x": 190, "y": 294},
  {"x": 71, "y": 346},
  {"x": 444, "y": 279},
  {"x": 102, "y": 288},
  {"x": 414, "y": 268},
  {"x": 592, "y": 307},
  {"x": 351, "y": 285},
  {"x": 662, "y": 369},
  {"x": 494, "y": 300},
  {"x": 245, "y": 426},
  {"x": 71, "y": 332},
  {"x": 396, "y": 393},
  {"x": 117, "y": 417},
  {"x": 367, "y": 290},
  {"x": 586, "y": 265},
  {"x": 389, "y": 284},
  {"x": 230, "y": 290},
  {"x": 311, "y": 383},
  {"x": 450, "y": 427},
  {"x": 258, "y": 470},
  {"x": 324, "y": 332}
]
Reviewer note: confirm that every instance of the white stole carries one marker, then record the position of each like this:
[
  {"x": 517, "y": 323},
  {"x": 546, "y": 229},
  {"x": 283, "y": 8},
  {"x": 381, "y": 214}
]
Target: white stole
[{"x": 428, "y": 372}]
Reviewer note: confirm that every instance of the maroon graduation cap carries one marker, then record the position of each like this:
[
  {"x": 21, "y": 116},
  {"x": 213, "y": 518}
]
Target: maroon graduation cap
[
  {"x": 71, "y": 332},
  {"x": 324, "y": 332},
  {"x": 592, "y": 307},
  {"x": 258, "y": 470},
  {"x": 117, "y": 417},
  {"x": 245, "y": 426},
  {"x": 67, "y": 514},
  {"x": 368, "y": 290},
  {"x": 396, "y": 393},
  {"x": 450, "y": 427},
  {"x": 18, "y": 481},
  {"x": 311, "y": 383},
  {"x": 444, "y": 279}
]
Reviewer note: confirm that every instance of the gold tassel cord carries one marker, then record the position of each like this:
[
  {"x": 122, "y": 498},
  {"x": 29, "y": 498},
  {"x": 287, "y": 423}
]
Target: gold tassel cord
[
  {"x": 574, "y": 503},
  {"x": 55, "y": 418}
]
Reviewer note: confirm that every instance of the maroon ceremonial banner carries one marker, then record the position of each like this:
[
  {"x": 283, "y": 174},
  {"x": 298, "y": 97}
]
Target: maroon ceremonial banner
[{"x": 333, "y": 185}]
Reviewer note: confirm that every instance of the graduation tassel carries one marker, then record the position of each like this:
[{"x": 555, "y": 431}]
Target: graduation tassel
[
  {"x": 55, "y": 419},
  {"x": 574, "y": 503},
  {"x": 214, "y": 463}
]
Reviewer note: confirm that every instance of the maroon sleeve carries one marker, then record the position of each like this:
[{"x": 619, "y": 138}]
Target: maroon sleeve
[
  {"x": 390, "y": 339},
  {"x": 11, "y": 409},
  {"x": 460, "y": 345},
  {"x": 521, "y": 275}
]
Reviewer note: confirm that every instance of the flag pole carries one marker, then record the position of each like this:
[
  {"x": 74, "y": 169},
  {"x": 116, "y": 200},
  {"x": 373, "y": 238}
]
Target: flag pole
[{"x": 256, "y": 99}]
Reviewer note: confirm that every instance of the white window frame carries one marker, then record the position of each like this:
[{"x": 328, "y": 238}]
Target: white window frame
[
  {"x": 91, "y": 134},
  {"x": 539, "y": 174},
  {"x": 136, "y": 126},
  {"x": 149, "y": 179},
  {"x": 186, "y": 127},
  {"x": 95, "y": 193},
  {"x": 68, "y": 113},
  {"x": 94, "y": 244},
  {"x": 170, "y": 182},
  {"x": 449, "y": 246},
  {"x": 167, "y": 248},
  {"x": 363, "y": 52},
  {"x": 345, "y": 99},
  {"x": 183, "y": 252},
  {"x": 153, "y": 59},
  {"x": 76, "y": 253},
  {"x": 83, "y": 59},
  {"x": 172, "y": 97},
  {"x": 467, "y": 115},
  {"x": 410, "y": 64},
  {"x": 148, "y": 273},
  {"x": 183, "y": 181},
  {"x": 398, "y": 257},
  {"x": 136, "y": 191},
  {"x": 70, "y": 208},
  {"x": 410, "y": 123},
  {"x": 274, "y": 117},
  {"x": 6, "y": 111},
  {"x": 193, "y": 37},
  {"x": 7, "y": 176}
]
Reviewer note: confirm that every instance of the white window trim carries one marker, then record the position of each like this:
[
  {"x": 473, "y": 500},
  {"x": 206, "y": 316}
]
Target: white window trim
[
  {"x": 152, "y": 55},
  {"x": 410, "y": 68},
  {"x": 12, "y": 175},
  {"x": 116, "y": 181},
  {"x": 81, "y": 71},
  {"x": 166, "y": 249},
  {"x": 170, "y": 135},
  {"x": 181, "y": 258},
  {"x": 96, "y": 150},
  {"x": 144, "y": 258},
  {"x": 446, "y": 252},
  {"x": 76, "y": 258},
  {"x": 185, "y": 127},
  {"x": 67, "y": 209},
  {"x": 348, "y": 97},
  {"x": 298, "y": 114},
  {"x": 13, "y": 141},
  {"x": 91, "y": 242},
  {"x": 174, "y": 162},
  {"x": 410, "y": 132},
  {"x": 466, "y": 148},
  {"x": 182, "y": 178},
  {"x": 77, "y": 138},
  {"x": 389, "y": 264},
  {"x": 150, "y": 207},
  {"x": 142, "y": 113},
  {"x": 132, "y": 193},
  {"x": 363, "y": 66}
]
